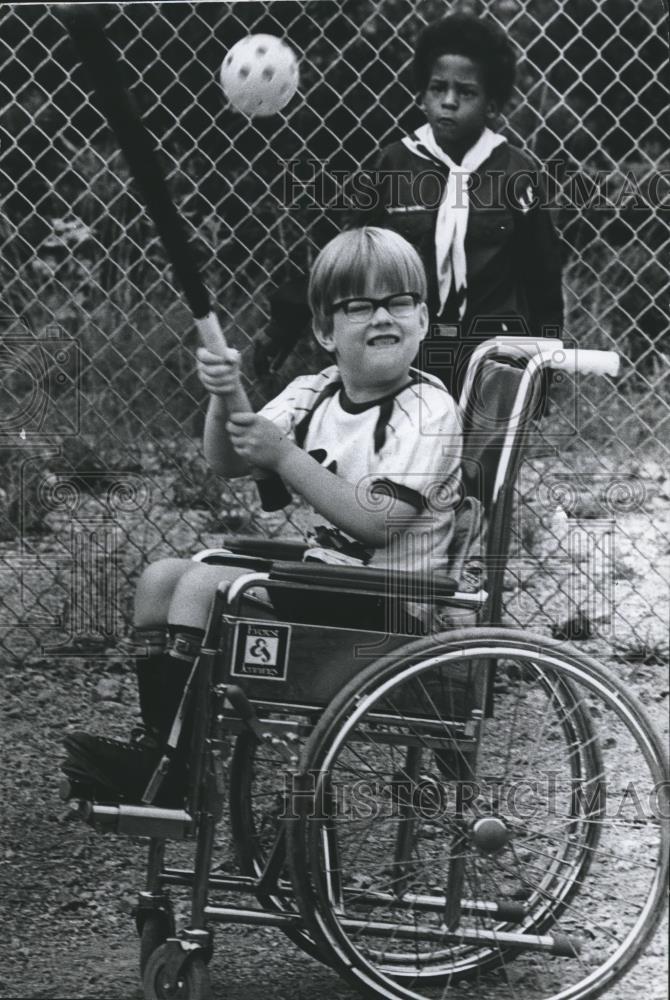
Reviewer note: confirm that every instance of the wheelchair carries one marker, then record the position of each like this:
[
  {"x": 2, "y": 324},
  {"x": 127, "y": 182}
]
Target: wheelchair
[{"x": 461, "y": 810}]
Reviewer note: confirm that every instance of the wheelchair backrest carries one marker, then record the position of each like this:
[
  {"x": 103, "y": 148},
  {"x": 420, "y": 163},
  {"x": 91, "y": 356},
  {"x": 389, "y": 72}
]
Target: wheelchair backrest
[{"x": 493, "y": 401}]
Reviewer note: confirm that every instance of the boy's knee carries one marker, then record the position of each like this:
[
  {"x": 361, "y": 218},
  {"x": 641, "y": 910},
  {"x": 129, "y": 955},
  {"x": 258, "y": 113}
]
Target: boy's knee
[
  {"x": 201, "y": 580},
  {"x": 194, "y": 592},
  {"x": 164, "y": 572},
  {"x": 155, "y": 588}
]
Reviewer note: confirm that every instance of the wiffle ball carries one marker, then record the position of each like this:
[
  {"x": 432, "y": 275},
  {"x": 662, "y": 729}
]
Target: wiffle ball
[{"x": 259, "y": 75}]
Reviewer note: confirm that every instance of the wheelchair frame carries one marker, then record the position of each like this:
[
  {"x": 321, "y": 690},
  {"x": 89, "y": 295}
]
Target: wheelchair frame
[{"x": 511, "y": 905}]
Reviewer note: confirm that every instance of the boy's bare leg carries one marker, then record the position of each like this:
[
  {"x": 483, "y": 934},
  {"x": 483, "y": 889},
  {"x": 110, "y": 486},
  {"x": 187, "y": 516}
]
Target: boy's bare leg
[
  {"x": 179, "y": 592},
  {"x": 194, "y": 591},
  {"x": 154, "y": 591}
]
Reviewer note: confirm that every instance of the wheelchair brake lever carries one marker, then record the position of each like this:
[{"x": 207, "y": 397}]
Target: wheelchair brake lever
[{"x": 239, "y": 701}]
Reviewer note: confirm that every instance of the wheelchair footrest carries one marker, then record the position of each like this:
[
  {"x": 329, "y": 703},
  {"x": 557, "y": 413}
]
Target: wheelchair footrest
[{"x": 137, "y": 821}]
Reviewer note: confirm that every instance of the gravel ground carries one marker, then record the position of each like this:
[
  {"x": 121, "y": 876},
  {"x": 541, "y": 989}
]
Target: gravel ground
[{"x": 67, "y": 891}]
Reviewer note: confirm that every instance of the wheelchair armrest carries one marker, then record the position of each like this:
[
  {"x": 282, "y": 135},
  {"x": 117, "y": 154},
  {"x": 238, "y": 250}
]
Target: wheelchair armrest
[
  {"x": 266, "y": 548},
  {"x": 224, "y": 557},
  {"x": 378, "y": 580}
]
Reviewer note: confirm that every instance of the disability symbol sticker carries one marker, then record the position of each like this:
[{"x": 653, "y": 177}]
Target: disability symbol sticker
[{"x": 261, "y": 650}]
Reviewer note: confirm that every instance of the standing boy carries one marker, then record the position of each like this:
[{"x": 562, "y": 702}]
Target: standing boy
[{"x": 471, "y": 203}]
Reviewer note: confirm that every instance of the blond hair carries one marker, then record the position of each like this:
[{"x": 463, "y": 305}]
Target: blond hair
[{"x": 347, "y": 265}]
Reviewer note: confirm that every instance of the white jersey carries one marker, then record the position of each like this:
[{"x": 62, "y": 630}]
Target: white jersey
[{"x": 406, "y": 445}]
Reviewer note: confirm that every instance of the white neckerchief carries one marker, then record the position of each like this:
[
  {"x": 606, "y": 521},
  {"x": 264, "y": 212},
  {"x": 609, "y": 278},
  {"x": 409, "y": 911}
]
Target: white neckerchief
[{"x": 452, "y": 215}]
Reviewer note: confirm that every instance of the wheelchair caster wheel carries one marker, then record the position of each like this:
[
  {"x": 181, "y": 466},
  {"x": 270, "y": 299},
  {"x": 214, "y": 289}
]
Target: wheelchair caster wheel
[
  {"x": 192, "y": 979},
  {"x": 156, "y": 929}
]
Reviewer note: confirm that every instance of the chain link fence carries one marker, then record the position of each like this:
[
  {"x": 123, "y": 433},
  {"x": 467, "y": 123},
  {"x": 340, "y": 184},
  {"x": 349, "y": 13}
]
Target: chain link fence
[{"x": 100, "y": 463}]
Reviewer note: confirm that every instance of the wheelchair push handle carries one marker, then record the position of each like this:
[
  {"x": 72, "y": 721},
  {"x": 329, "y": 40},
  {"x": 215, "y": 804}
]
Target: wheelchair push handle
[
  {"x": 584, "y": 361},
  {"x": 547, "y": 352}
]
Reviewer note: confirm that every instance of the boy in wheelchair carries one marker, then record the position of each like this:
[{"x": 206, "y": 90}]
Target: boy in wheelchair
[{"x": 373, "y": 448}]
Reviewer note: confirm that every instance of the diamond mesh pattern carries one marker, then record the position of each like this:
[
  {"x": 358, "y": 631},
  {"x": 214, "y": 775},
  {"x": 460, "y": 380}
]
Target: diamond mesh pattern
[{"x": 102, "y": 414}]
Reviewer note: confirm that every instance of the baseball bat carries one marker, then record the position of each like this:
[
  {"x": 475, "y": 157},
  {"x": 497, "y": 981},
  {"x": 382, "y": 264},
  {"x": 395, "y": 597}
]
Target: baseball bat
[{"x": 97, "y": 56}]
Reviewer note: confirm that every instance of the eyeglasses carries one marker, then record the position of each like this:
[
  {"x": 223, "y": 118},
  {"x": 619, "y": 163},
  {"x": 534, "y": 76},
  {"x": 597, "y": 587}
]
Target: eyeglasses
[{"x": 361, "y": 310}]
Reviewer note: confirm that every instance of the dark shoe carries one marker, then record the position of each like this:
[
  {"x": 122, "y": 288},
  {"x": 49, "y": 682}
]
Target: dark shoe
[{"x": 120, "y": 772}]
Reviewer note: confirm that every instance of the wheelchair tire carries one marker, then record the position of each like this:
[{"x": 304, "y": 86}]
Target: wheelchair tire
[
  {"x": 156, "y": 929},
  {"x": 256, "y": 800},
  {"x": 377, "y": 872},
  {"x": 193, "y": 982}
]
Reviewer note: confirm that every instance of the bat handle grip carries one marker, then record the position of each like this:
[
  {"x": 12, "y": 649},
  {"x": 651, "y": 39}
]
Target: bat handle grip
[{"x": 271, "y": 490}]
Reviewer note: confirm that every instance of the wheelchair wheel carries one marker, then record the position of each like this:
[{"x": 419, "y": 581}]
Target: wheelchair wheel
[
  {"x": 257, "y": 800},
  {"x": 508, "y": 855},
  {"x": 192, "y": 982}
]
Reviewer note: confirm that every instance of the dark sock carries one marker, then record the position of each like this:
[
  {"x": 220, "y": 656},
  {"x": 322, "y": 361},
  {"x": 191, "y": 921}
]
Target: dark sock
[
  {"x": 163, "y": 667},
  {"x": 162, "y": 679},
  {"x": 149, "y": 649},
  {"x": 149, "y": 672}
]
